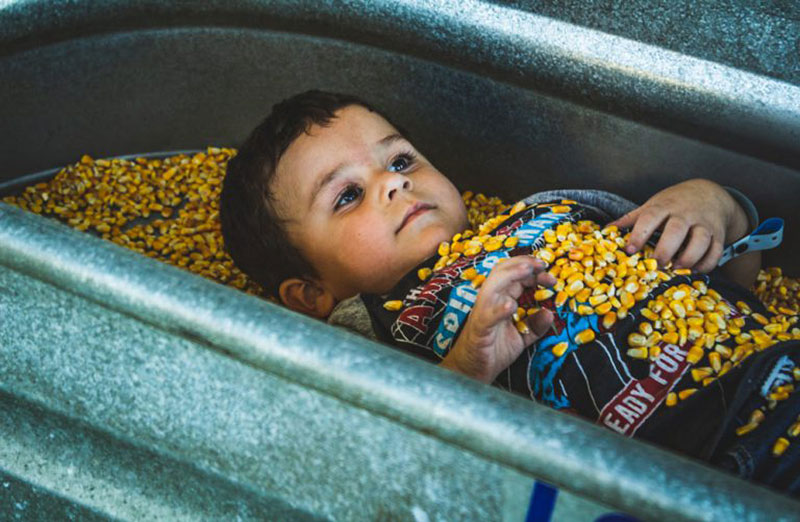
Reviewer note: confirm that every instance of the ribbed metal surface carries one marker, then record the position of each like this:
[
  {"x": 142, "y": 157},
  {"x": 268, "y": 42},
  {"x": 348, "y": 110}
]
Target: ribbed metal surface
[
  {"x": 526, "y": 102},
  {"x": 80, "y": 366},
  {"x": 144, "y": 392}
]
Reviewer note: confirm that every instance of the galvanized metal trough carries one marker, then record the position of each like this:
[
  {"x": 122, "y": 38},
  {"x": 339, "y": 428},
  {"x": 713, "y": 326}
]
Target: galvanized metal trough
[{"x": 132, "y": 390}]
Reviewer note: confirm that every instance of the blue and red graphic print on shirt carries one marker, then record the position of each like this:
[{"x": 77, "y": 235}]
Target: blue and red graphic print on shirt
[{"x": 596, "y": 380}]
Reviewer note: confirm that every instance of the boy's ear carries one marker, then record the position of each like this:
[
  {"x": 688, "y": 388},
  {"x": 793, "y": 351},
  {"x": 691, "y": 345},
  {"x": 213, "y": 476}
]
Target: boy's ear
[{"x": 307, "y": 297}]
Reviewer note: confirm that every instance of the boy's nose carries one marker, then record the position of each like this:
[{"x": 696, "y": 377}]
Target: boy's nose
[{"x": 394, "y": 183}]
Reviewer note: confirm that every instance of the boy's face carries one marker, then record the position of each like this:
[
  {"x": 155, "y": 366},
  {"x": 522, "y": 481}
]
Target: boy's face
[{"x": 363, "y": 206}]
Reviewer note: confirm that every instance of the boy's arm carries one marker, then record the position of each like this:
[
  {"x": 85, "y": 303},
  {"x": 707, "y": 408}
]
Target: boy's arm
[
  {"x": 489, "y": 341},
  {"x": 697, "y": 218}
]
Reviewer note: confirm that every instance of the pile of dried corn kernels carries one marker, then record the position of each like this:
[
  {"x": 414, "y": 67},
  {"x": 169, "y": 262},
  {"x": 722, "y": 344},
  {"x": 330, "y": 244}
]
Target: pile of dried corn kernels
[
  {"x": 168, "y": 209},
  {"x": 164, "y": 208},
  {"x": 595, "y": 276}
]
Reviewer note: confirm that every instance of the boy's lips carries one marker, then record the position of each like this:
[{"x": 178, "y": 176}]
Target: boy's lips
[{"x": 413, "y": 211}]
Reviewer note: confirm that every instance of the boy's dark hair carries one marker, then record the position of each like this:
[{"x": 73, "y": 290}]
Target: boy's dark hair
[{"x": 254, "y": 234}]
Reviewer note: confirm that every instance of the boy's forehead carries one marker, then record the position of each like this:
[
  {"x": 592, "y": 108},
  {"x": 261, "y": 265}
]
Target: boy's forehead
[{"x": 350, "y": 135}]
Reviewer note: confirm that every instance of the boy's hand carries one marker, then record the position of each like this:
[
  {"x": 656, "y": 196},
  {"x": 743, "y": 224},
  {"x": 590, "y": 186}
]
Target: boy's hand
[
  {"x": 697, "y": 218},
  {"x": 490, "y": 342}
]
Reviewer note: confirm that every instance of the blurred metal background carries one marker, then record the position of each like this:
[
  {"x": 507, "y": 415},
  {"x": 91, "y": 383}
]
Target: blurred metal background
[{"x": 130, "y": 390}]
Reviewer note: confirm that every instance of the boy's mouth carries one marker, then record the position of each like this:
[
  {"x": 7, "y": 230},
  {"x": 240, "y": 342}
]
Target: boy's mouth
[{"x": 413, "y": 211}]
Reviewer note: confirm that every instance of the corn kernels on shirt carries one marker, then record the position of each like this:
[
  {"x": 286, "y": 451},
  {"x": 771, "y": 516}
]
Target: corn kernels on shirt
[{"x": 597, "y": 380}]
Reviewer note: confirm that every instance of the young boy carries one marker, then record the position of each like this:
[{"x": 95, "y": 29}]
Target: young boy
[{"x": 332, "y": 210}]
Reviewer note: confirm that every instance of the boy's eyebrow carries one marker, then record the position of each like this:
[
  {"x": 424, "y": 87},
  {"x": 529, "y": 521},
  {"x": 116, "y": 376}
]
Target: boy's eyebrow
[
  {"x": 391, "y": 138},
  {"x": 326, "y": 179}
]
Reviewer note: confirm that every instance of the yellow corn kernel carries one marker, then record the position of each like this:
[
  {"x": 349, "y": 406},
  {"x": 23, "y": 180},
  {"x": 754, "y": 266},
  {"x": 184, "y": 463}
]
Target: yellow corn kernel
[
  {"x": 575, "y": 275},
  {"x": 598, "y": 299},
  {"x": 518, "y": 207},
  {"x": 677, "y": 308},
  {"x": 583, "y": 295},
  {"x": 585, "y": 310},
  {"x": 723, "y": 350},
  {"x": 603, "y": 308},
  {"x": 560, "y": 209},
  {"x": 473, "y": 250},
  {"x": 574, "y": 287},
  {"x": 773, "y": 328},
  {"x": 645, "y": 328},
  {"x": 705, "y": 304},
  {"x": 649, "y": 314},
  {"x": 573, "y": 305},
  {"x": 546, "y": 255},
  {"x": 716, "y": 361},
  {"x": 651, "y": 264},
  {"x": 638, "y": 353},
  {"x": 521, "y": 327},
  {"x": 609, "y": 319},
  {"x": 780, "y": 446},
  {"x": 695, "y": 354},
  {"x": 744, "y": 307},
  {"x": 393, "y": 306},
  {"x": 778, "y": 396},
  {"x": 511, "y": 242},
  {"x": 542, "y": 294},
  {"x": 655, "y": 351},
  {"x": 698, "y": 374},
  {"x": 626, "y": 299},
  {"x": 561, "y": 298},
  {"x": 670, "y": 337},
  {"x": 682, "y": 271},
  {"x": 760, "y": 318},
  {"x": 747, "y": 428},
  {"x": 444, "y": 248},
  {"x": 694, "y": 332},
  {"x": 672, "y": 399},
  {"x": 424, "y": 273},
  {"x": 492, "y": 245},
  {"x": 794, "y": 430},
  {"x": 636, "y": 340},
  {"x": 575, "y": 254},
  {"x": 688, "y": 392},
  {"x": 469, "y": 274},
  {"x": 560, "y": 348},
  {"x": 585, "y": 336}
]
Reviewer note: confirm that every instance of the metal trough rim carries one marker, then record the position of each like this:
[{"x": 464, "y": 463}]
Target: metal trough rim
[
  {"x": 701, "y": 99},
  {"x": 568, "y": 452}
]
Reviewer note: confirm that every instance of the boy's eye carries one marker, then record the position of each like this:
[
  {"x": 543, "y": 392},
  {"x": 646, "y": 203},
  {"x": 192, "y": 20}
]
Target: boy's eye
[
  {"x": 401, "y": 163},
  {"x": 348, "y": 195}
]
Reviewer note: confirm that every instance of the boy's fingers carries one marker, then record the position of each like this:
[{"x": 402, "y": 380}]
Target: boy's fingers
[
  {"x": 490, "y": 314},
  {"x": 699, "y": 243},
  {"x": 671, "y": 240},
  {"x": 539, "y": 324},
  {"x": 628, "y": 219},
  {"x": 546, "y": 279},
  {"x": 648, "y": 222},
  {"x": 521, "y": 270},
  {"x": 710, "y": 260}
]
